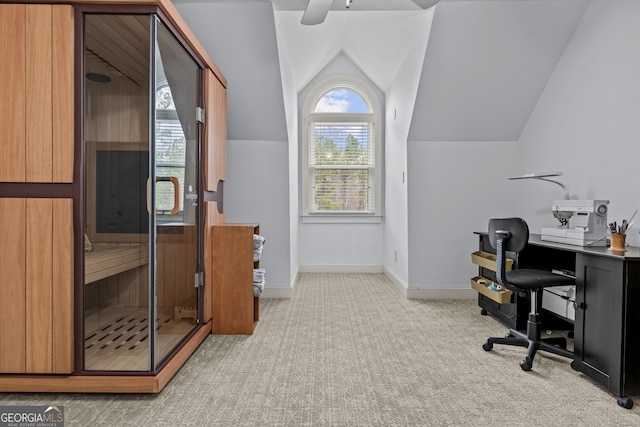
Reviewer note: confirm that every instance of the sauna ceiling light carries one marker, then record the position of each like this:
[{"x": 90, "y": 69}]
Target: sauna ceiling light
[{"x": 99, "y": 78}]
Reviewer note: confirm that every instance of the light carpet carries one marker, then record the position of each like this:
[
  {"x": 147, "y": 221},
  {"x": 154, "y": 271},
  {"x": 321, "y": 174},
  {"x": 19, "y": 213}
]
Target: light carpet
[{"x": 350, "y": 350}]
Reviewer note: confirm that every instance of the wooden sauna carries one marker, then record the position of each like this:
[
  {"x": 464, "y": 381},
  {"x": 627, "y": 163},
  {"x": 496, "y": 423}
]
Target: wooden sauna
[{"x": 115, "y": 121}]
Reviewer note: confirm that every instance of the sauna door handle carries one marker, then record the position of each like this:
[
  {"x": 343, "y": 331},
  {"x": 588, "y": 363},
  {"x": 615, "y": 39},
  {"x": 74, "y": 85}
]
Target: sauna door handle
[{"x": 176, "y": 192}]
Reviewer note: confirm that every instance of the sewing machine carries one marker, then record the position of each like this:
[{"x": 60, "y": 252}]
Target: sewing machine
[{"x": 582, "y": 223}]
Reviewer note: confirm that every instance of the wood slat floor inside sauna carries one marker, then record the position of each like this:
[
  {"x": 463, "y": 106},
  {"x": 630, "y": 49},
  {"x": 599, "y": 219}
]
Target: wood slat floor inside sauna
[{"x": 117, "y": 338}]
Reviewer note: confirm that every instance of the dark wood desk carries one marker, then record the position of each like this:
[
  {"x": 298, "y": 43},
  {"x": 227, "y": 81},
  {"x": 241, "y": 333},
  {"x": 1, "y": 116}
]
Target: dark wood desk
[{"x": 607, "y": 322}]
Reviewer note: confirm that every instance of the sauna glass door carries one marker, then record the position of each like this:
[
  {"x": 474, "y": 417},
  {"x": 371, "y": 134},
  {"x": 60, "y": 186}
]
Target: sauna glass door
[
  {"x": 118, "y": 259},
  {"x": 141, "y": 193},
  {"x": 176, "y": 192}
]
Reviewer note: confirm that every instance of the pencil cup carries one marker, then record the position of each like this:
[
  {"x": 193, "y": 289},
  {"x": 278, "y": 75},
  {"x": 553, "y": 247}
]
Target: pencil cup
[{"x": 617, "y": 242}]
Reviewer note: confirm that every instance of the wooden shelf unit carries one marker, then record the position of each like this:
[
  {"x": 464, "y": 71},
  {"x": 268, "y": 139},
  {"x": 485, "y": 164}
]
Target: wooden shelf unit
[{"x": 235, "y": 309}]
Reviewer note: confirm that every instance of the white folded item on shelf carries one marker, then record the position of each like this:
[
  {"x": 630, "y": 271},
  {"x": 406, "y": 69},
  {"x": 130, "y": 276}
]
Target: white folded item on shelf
[
  {"x": 258, "y": 245},
  {"x": 258, "y": 288},
  {"x": 258, "y": 275}
]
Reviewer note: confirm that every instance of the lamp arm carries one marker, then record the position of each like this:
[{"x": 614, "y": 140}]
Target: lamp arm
[{"x": 566, "y": 191}]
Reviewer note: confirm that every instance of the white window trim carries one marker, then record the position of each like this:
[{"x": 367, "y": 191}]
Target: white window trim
[{"x": 309, "y": 116}]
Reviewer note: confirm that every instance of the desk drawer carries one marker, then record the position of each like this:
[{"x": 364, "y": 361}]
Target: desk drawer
[{"x": 559, "y": 300}]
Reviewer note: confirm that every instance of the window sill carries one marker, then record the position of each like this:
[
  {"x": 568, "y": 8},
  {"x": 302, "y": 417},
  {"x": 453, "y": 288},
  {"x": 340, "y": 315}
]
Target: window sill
[{"x": 341, "y": 219}]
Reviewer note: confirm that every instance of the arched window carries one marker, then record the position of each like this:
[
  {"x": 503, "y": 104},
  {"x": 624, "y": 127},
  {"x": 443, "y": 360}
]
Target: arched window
[{"x": 341, "y": 149}]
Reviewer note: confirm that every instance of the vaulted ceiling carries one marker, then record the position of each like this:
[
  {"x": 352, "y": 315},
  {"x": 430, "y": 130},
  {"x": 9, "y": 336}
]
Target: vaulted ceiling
[
  {"x": 486, "y": 61},
  {"x": 485, "y": 64},
  {"x": 376, "y": 41}
]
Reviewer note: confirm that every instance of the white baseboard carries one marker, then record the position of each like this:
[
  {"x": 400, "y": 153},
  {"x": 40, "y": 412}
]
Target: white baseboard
[
  {"x": 429, "y": 291},
  {"x": 397, "y": 281},
  {"x": 281, "y": 292},
  {"x": 340, "y": 268},
  {"x": 409, "y": 292}
]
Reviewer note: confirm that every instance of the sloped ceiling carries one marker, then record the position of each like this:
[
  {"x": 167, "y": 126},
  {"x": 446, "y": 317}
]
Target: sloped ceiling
[
  {"x": 486, "y": 65},
  {"x": 486, "y": 62}
]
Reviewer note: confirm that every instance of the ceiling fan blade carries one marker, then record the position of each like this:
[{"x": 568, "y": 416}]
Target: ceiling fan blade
[
  {"x": 425, "y": 4},
  {"x": 316, "y": 12}
]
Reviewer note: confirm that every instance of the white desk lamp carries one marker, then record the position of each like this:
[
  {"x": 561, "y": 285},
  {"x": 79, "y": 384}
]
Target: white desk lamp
[{"x": 543, "y": 176}]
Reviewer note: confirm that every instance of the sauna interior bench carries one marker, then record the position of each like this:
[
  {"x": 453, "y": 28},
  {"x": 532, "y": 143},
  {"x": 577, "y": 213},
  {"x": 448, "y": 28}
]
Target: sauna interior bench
[{"x": 110, "y": 259}]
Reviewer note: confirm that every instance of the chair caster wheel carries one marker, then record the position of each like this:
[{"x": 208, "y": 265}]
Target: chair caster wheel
[
  {"x": 625, "y": 402},
  {"x": 526, "y": 365},
  {"x": 488, "y": 346},
  {"x": 484, "y": 312}
]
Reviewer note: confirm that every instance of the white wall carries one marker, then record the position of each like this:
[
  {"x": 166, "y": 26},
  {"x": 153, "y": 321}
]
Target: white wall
[
  {"x": 454, "y": 188},
  {"x": 400, "y": 101},
  {"x": 253, "y": 194},
  {"x": 486, "y": 65},
  {"x": 240, "y": 37},
  {"x": 587, "y": 122},
  {"x": 290, "y": 95}
]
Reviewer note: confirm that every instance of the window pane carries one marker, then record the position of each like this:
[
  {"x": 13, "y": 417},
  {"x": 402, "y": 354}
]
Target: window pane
[
  {"x": 171, "y": 149},
  {"x": 165, "y": 191},
  {"x": 341, "y": 190},
  {"x": 341, "y": 144},
  {"x": 341, "y": 101}
]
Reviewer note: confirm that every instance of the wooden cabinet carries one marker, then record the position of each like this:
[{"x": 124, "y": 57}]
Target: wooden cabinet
[
  {"x": 235, "y": 309},
  {"x": 607, "y": 321}
]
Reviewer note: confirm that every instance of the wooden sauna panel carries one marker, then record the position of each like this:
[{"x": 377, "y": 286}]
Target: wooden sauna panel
[
  {"x": 36, "y": 332},
  {"x": 122, "y": 41},
  {"x": 12, "y": 276},
  {"x": 63, "y": 94},
  {"x": 32, "y": 38},
  {"x": 117, "y": 112},
  {"x": 39, "y": 289},
  {"x": 12, "y": 114},
  {"x": 176, "y": 253},
  {"x": 63, "y": 297},
  {"x": 215, "y": 133},
  {"x": 39, "y": 90}
]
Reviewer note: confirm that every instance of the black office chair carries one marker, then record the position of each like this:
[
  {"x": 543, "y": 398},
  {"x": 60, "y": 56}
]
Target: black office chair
[{"x": 512, "y": 234}]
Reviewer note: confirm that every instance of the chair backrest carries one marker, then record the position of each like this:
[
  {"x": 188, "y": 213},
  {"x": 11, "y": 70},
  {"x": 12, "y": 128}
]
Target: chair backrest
[
  {"x": 518, "y": 229},
  {"x": 507, "y": 234}
]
